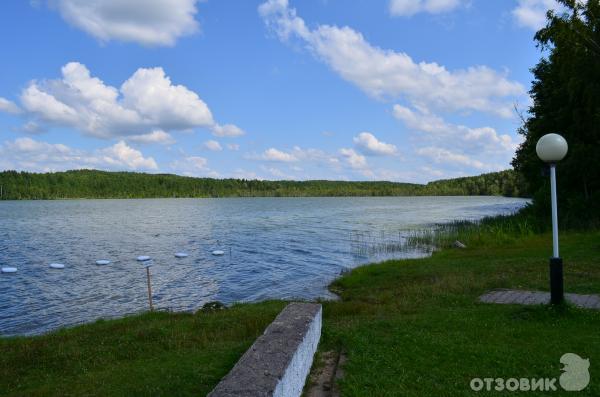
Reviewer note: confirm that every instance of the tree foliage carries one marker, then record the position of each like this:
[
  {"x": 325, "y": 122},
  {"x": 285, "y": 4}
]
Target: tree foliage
[
  {"x": 101, "y": 184},
  {"x": 566, "y": 100}
]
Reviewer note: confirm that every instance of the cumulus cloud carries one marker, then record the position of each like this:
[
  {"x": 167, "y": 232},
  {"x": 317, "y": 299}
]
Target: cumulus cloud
[
  {"x": 412, "y": 7},
  {"x": 156, "y": 136},
  {"x": 368, "y": 144},
  {"x": 151, "y": 93},
  {"x": 386, "y": 73},
  {"x": 355, "y": 160},
  {"x": 145, "y": 103},
  {"x": 8, "y": 106},
  {"x": 147, "y": 22},
  {"x": 484, "y": 140},
  {"x": 213, "y": 146},
  {"x": 345, "y": 159},
  {"x": 276, "y": 155},
  {"x": 193, "y": 166},
  {"x": 33, "y": 155},
  {"x": 532, "y": 13},
  {"x": 441, "y": 155},
  {"x": 277, "y": 173},
  {"x": 122, "y": 155},
  {"x": 310, "y": 155},
  {"x": 227, "y": 130},
  {"x": 32, "y": 128},
  {"x": 482, "y": 148}
]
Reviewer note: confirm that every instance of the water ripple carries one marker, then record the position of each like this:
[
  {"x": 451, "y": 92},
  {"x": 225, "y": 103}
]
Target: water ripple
[{"x": 274, "y": 248}]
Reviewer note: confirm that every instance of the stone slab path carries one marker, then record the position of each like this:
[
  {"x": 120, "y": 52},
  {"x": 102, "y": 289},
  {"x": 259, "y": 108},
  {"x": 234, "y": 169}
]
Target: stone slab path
[{"x": 520, "y": 297}]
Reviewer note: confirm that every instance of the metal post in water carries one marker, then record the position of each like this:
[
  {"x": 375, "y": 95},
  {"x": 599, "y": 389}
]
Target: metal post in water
[{"x": 149, "y": 288}]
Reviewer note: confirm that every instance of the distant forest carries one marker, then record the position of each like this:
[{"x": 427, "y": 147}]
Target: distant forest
[{"x": 101, "y": 184}]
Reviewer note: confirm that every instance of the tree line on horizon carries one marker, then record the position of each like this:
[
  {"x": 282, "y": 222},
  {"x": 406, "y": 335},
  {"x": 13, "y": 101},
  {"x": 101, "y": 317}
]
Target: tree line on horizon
[{"x": 103, "y": 184}]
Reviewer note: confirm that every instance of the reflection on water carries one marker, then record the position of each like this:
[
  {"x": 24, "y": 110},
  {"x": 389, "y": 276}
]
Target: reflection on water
[{"x": 274, "y": 248}]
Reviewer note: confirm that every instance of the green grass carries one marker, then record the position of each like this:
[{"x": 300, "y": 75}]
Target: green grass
[
  {"x": 409, "y": 328},
  {"x": 154, "y": 354},
  {"x": 415, "y": 327}
]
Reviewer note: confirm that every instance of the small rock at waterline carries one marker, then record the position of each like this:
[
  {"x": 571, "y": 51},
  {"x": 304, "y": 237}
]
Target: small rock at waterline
[{"x": 458, "y": 244}]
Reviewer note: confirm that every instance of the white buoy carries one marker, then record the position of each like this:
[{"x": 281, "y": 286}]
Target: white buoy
[
  {"x": 102, "y": 262},
  {"x": 9, "y": 270},
  {"x": 181, "y": 255},
  {"x": 57, "y": 266},
  {"x": 218, "y": 252},
  {"x": 143, "y": 258}
]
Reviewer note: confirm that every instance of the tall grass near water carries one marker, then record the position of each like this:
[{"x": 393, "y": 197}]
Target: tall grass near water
[{"x": 502, "y": 229}]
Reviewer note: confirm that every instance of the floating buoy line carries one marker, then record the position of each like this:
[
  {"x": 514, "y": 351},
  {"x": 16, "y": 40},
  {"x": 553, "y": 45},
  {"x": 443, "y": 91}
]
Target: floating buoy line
[{"x": 101, "y": 262}]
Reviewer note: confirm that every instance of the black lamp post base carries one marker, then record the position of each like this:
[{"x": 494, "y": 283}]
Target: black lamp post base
[{"x": 556, "y": 281}]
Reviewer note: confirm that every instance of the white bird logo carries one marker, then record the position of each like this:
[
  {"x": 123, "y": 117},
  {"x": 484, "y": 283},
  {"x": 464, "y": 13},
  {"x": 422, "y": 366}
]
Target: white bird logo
[{"x": 576, "y": 375}]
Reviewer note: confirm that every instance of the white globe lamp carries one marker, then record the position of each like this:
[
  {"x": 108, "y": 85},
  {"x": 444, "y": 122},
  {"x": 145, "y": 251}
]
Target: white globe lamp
[{"x": 552, "y": 148}]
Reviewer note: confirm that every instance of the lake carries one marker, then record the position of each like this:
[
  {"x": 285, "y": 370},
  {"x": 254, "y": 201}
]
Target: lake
[{"x": 274, "y": 248}]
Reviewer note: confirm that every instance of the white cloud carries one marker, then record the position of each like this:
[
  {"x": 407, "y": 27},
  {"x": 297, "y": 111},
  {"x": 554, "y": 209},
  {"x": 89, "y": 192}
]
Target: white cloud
[
  {"x": 532, "y": 13},
  {"x": 355, "y": 160},
  {"x": 148, "y": 101},
  {"x": 241, "y": 173},
  {"x": 32, "y": 155},
  {"x": 213, "y": 146},
  {"x": 482, "y": 148},
  {"x": 441, "y": 155},
  {"x": 32, "y": 128},
  {"x": 151, "y": 94},
  {"x": 386, "y": 73},
  {"x": 277, "y": 173},
  {"x": 227, "y": 130},
  {"x": 412, "y": 7},
  {"x": 193, "y": 166},
  {"x": 233, "y": 146},
  {"x": 8, "y": 106},
  {"x": 483, "y": 140},
  {"x": 314, "y": 156},
  {"x": 147, "y": 22},
  {"x": 198, "y": 162},
  {"x": 276, "y": 155},
  {"x": 120, "y": 154},
  {"x": 157, "y": 136},
  {"x": 368, "y": 144}
]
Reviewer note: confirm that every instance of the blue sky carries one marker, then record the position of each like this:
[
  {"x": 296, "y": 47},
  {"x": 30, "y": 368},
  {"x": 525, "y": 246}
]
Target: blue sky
[{"x": 402, "y": 90}]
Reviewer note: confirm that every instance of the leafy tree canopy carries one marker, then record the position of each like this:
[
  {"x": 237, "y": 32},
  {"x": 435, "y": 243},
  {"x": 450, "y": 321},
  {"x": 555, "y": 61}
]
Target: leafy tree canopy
[
  {"x": 566, "y": 100},
  {"x": 101, "y": 184}
]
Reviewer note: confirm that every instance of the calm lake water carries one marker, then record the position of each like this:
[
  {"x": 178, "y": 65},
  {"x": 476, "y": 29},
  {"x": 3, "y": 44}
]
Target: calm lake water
[{"x": 274, "y": 248}]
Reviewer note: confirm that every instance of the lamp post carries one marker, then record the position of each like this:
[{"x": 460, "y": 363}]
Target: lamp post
[{"x": 552, "y": 148}]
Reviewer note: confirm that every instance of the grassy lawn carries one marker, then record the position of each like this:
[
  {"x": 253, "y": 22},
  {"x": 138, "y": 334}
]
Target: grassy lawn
[
  {"x": 415, "y": 328},
  {"x": 154, "y": 354},
  {"x": 409, "y": 328}
]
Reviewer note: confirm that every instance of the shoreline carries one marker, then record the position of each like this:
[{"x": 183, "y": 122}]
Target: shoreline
[{"x": 407, "y": 313}]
